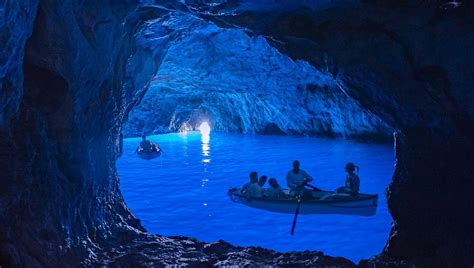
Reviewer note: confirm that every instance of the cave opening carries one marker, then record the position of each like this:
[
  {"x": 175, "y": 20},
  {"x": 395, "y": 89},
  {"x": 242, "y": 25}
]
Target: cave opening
[{"x": 265, "y": 110}]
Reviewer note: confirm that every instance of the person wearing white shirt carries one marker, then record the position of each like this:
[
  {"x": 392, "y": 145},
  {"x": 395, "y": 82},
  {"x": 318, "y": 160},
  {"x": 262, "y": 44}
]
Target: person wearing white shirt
[
  {"x": 252, "y": 188},
  {"x": 274, "y": 191},
  {"x": 296, "y": 179}
]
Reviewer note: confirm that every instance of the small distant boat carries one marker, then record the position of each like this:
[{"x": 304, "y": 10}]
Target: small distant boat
[
  {"x": 323, "y": 202},
  {"x": 154, "y": 153}
]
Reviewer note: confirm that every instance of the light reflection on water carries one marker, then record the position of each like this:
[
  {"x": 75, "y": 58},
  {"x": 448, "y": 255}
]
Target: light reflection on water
[
  {"x": 206, "y": 156},
  {"x": 184, "y": 192}
]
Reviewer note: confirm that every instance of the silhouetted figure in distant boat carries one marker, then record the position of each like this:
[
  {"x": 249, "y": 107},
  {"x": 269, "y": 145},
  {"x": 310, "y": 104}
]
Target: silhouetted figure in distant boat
[
  {"x": 352, "y": 180},
  {"x": 274, "y": 191},
  {"x": 146, "y": 145},
  {"x": 252, "y": 188},
  {"x": 296, "y": 180}
]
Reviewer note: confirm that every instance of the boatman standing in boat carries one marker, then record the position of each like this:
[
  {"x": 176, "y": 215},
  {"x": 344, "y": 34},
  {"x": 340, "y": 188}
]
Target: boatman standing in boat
[{"x": 296, "y": 179}]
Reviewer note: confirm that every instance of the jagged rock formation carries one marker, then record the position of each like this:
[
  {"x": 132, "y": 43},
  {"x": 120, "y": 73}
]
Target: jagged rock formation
[
  {"x": 150, "y": 250},
  {"x": 66, "y": 93},
  {"x": 239, "y": 83}
]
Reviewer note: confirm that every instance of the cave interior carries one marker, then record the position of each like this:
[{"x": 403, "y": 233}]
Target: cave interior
[{"x": 71, "y": 72}]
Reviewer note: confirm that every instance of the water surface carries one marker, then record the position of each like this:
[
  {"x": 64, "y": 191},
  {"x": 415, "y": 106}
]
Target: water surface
[{"x": 184, "y": 192}]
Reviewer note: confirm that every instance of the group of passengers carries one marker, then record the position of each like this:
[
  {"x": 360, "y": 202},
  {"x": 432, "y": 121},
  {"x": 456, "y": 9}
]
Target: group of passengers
[
  {"x": 296, "y": 180},
  {"x": 255, "y": 187}
]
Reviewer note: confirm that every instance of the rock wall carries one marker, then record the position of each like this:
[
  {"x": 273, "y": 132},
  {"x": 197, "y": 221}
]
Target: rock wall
[
  {"x": 60, "y": 200},
  {"x": 241, "y": 84}
]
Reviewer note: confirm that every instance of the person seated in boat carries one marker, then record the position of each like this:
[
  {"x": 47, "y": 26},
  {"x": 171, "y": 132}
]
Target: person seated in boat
[
  {"x": 145, "y": 145},
  {"x": 296, "y": 180},
  {"x": 262, "y": 181},
  {"x": 253, "y": 179},
  {"x": 252, "y": 188},
  {"x": 274, "y": 191},
  {"x": 352, "y": 180}
]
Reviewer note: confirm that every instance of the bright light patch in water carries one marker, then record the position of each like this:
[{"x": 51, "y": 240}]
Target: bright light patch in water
[{"x": 204, "y": 128}]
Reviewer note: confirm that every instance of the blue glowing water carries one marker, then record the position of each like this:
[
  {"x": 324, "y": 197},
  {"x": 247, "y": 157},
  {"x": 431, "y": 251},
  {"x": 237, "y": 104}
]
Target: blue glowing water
[{"x": 184, "y": 192}]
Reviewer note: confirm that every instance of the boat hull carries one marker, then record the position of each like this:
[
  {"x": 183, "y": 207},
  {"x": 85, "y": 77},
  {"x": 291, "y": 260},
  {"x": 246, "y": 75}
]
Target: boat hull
[
  {"x": 362, "y": 205},
  {"x": 149, "y": 155}
]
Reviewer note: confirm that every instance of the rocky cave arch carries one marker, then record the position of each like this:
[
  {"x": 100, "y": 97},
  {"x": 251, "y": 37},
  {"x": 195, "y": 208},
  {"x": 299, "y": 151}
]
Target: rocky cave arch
[
  {"x": 239, "y": 83},
  {"x": 60, "y": 199}
]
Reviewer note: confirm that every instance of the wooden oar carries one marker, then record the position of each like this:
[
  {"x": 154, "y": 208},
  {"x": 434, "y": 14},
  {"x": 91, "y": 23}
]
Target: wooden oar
[
  {"x": 296, "y": 215},
  {"x": 313, "y": 187}
]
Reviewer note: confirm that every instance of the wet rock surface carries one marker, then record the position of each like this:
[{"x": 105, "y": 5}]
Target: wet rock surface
[
  {"x": 16, "y": 21},
  {"x": 67, "y": 91}
]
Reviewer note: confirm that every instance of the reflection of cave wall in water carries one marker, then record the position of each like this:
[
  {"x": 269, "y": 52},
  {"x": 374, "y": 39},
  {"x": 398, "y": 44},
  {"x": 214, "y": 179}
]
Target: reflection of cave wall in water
[
  {"x": 60, "y": 203},
  {"x": 241, "y": 84}
]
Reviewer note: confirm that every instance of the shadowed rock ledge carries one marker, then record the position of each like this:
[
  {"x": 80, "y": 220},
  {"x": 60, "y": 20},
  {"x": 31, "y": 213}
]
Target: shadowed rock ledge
[{"x": 151, "y": 250}]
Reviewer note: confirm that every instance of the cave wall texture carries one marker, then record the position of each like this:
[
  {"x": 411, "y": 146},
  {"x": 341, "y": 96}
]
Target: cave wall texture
[
  {"x": 71, "y": 71},
  {"x": 59, "y": 187},
  {"x": 240, "y": 83}
]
